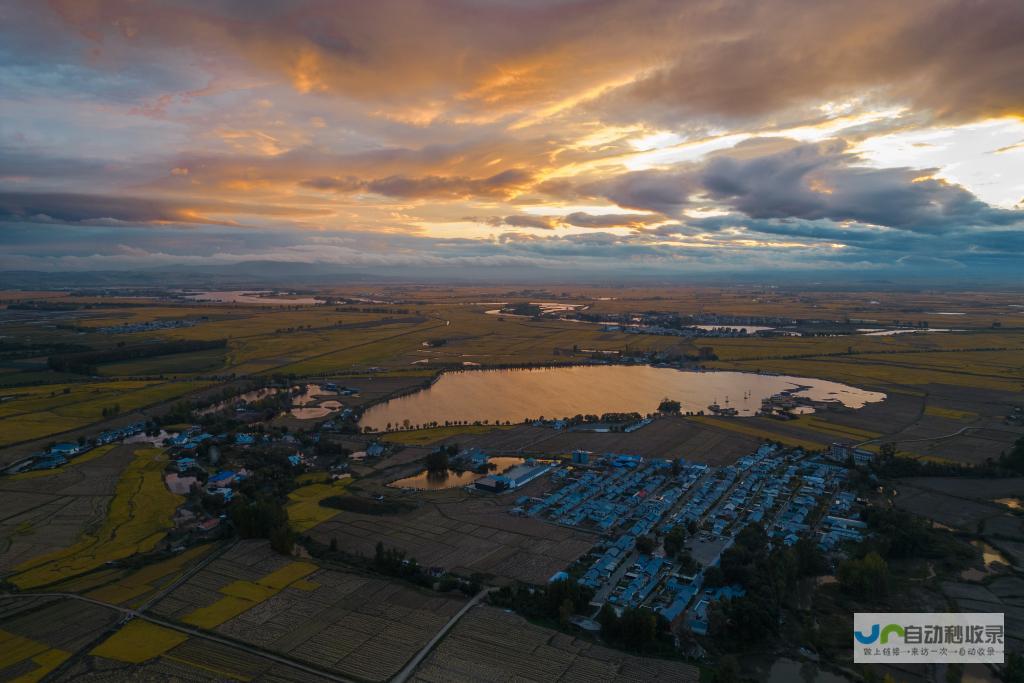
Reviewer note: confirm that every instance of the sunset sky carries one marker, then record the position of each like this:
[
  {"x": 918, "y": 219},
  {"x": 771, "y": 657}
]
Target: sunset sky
[{"x": 590, "y": 136}]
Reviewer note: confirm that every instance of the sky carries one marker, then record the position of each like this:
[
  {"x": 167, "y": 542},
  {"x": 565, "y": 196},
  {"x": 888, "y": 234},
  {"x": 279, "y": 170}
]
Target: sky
[{"x": 635, "y": 137}]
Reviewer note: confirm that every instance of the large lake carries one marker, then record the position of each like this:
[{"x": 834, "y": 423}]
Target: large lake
[{"x": 515, "y": 395}]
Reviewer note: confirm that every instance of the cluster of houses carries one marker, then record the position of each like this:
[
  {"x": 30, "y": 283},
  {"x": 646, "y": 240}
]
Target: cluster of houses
[
  {"x": 128, "y": 328},
  {"x": 59, "y": 454},
  {"x": 626, "y": 498}
]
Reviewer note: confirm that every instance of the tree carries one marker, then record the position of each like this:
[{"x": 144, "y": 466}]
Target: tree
[
  {"x": 282, "y": 539},
  {"x": 675, "y": 541},
  {"x": 645, "y": 544},
  {"x": 727, "y": 671},
  {"x": 867, "y": 577},
  {"x": 565, "y": 611},
  {"x": 810, "y": 560},
  {"x": 669, "y": 406},
  {"x": 437, "y": 461}
]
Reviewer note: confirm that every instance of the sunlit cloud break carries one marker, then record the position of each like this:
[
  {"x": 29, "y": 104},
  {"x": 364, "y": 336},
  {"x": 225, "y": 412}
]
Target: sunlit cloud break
[{"x": 587, "y": 137}]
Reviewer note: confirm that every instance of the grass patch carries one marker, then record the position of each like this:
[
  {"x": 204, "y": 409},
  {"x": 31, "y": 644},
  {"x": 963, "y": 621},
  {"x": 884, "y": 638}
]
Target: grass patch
[
  {"x": 421, "y": 437},
  {"x": 367, "y": 506},
  {"x": 949, "y": 413},
  {"x": 836, "y": 430}
]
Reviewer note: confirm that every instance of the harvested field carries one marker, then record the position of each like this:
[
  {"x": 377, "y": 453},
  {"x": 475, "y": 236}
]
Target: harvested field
[
  {"x": 38, "y": 635},
  {"x": 358, "y": 625},
  {"x": 489, "y": 644},
  {"x": 761, "y": 428},
  {"x": 133, "y": 588},
  {"x": 139, "y": 516},
  {"x": 43, "y": 514},
  {"x": 670, "y": 437},
  {"x": 463, "y": 532},
  {"x": 961, "y": 513},
  {"x": 1001, "y": 595},
  {"x": 195, "y": 659}
]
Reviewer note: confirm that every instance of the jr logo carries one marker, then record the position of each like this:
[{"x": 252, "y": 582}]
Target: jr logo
[{"x": 876, "y": 630}]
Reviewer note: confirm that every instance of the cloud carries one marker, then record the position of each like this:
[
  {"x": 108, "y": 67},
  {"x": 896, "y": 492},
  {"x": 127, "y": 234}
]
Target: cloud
[
  {"x": 394, "y": 119},
  {"x": 664, "y": 192},
  {"x": 825, "y": 181},
  {"x": 737, "y": 60},
  {"x": 499, "y": 185},
  {"x": 83, "y": 208},
  {"x": 528, "y": 221},
  {"x": 582, "y": 219}
]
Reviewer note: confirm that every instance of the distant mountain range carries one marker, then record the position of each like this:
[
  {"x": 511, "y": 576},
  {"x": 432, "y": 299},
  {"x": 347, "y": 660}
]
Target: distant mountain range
[{"x": 249, "y": 274}]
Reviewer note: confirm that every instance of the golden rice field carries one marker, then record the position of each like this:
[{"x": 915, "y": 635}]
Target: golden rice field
[
  {"x": 304, "y": 509},
  {"x": 137, "y": 641},
  {"x": 240, "y": 596},
  {"x": 139, "y": 516},
  {"x": 15, "y": 649}
]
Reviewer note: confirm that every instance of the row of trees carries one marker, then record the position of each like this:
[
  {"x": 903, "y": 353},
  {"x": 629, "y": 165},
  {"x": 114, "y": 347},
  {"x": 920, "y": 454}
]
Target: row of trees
[{"x": 85, "y": 362}]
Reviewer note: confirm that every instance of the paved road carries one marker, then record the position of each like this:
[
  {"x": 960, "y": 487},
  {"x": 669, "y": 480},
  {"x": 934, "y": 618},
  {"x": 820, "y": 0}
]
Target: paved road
[
  {"x": 195, "y": 633},
  {"x": 409, "y": 668}
]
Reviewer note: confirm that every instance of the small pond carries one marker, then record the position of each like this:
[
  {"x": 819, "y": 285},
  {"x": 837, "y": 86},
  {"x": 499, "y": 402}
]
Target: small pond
[{"x": 450, "y": 479}]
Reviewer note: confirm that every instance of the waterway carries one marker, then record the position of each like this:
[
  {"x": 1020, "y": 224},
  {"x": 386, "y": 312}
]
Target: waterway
[{"x": 516, "y": 395}]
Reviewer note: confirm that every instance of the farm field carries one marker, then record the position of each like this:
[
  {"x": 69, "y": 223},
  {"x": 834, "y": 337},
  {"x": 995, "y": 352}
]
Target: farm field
[
  {"x": 40, "y": 634},
  {"x": 38, "y": 412},
  {"x": 462, "y": 532},
  {"x": 66, "y": 639},
  {"x": 304, "y": 509},
  {"x": 354, "y": 624},
  {"x": 346, "y": 341},
  {"x": 138, "y": 517},
  {"x": 426, "y": 437},
  {"x": 668, "y": 437},
  {"x": 492, "y": 645},
  {"x": 47, "y": 511}
]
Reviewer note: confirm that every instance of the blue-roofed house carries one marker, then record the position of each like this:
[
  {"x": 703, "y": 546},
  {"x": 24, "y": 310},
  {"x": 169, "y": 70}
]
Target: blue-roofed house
[
  {"x": 65, "y": 449},
  {"x": 222, "y": 478}
]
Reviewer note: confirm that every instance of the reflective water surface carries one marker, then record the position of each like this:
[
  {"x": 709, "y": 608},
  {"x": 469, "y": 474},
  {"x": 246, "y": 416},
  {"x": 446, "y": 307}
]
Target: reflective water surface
[
  {"x": 448, "y": 479},
  {"x": 515, "y": 395}
]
